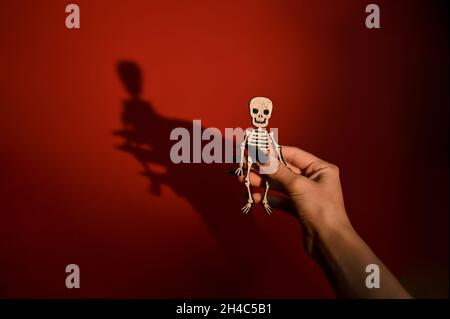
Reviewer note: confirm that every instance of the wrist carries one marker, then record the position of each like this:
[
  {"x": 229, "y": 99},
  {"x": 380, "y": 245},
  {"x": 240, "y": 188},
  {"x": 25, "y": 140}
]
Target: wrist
[
  {"x": 334, "y": 240},
  {"x": 333, "y": 230}
]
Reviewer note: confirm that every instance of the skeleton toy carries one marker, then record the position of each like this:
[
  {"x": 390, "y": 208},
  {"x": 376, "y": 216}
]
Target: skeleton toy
[{"x": 260, "y": 145}]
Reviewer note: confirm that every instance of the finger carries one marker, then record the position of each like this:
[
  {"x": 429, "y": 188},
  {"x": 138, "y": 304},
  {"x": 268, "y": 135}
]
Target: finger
[
  {"x": 286, "y": 177},
  {"x": 276, "y": 202},
  {"x": 293, "y": 168},
  {"x": 255, "y": 179},
  {"x": 316, "y": 169},
  {"x": 298, "y": 157}
]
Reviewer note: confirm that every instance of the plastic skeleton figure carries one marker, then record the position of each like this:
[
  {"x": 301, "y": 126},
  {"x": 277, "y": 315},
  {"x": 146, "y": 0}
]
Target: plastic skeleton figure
[{"x": 259, "y": 143}]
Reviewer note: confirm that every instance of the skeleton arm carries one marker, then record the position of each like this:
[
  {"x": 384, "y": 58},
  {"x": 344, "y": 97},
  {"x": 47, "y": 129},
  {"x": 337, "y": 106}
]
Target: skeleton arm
[
  {"x": 240, "y": 171},
  {"x": 277, "y": 148}
]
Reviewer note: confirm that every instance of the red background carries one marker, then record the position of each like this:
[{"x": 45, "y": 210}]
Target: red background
[{"x": 374, "y": 102}]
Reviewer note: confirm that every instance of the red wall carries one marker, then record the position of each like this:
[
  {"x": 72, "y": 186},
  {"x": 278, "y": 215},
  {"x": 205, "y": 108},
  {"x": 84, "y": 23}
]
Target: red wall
[{"x": 375, "y": 102}]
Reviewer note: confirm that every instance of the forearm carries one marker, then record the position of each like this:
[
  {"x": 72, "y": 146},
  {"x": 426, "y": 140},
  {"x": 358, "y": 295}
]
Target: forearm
[{"x": 344, "y": 256}]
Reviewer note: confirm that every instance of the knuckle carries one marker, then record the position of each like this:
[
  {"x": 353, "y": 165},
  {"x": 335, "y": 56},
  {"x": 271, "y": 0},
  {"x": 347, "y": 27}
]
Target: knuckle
[
  {"x": 334, "y": 168},
  {"x": 295, "y": 151}
]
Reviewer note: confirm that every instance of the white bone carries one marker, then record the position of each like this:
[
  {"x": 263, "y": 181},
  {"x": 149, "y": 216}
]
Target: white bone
[{"x": 260, "y": 109}]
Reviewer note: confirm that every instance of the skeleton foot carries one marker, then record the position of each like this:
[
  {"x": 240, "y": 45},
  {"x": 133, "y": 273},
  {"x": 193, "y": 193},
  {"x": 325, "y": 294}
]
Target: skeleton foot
[
  {"x": 246, "y": 209},
  {"x": 268, "y": 208}
]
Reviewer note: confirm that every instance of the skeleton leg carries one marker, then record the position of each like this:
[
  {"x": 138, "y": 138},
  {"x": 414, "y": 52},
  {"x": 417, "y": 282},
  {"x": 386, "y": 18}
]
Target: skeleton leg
[
  {"x": 265, "y": 202},
  {"x": 246, "y": 208}
]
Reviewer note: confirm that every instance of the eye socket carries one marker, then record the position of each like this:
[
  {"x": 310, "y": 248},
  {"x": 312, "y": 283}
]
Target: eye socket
[
  {"x": 255, "y": 111},
  {"x": 266, "y": 112}
]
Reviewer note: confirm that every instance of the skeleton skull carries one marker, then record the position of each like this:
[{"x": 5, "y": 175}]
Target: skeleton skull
[{"x": 260, "y": 111}]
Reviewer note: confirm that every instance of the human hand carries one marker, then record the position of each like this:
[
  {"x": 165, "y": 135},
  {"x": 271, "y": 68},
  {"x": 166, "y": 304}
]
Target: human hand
[{"x": 310, "y": 190}]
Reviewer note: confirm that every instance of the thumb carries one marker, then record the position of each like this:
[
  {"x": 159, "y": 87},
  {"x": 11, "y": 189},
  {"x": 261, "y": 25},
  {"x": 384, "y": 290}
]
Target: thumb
[{"x": 286, "y": 177}]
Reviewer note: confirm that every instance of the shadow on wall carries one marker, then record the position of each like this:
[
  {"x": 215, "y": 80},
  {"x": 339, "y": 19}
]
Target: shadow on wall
[{"x": 206, "y": 187}]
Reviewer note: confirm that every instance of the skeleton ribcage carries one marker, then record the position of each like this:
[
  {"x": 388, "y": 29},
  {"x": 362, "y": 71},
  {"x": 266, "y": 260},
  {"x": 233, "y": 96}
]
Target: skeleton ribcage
[{"x": 259, "y": 142}]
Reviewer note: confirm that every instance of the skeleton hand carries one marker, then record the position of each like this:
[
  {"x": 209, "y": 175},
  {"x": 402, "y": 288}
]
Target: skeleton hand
[{"x": 240, "y": 170}]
